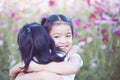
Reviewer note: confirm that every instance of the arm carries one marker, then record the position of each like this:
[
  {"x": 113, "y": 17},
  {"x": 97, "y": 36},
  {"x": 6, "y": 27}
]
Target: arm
[
  {"x": 43, "y": 75},
  {"x": 15, "y": 70},
  {"x": 71, "y": 66},
  {"x": 68, "y": 67}
]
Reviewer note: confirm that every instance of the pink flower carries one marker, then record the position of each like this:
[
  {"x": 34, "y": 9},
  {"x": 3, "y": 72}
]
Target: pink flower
[
  {"x": 15, "y": 30},
  {"x": 100, "y": 10},
  {"x": 104, "y": 32},
  {"x": 13, "y": 14},
  {"x": 86, "y": 26},
  {"x": 112, "y": 51},
  {"x": 116, "y": 31},
  {"x": 105, "y": 39},
  {"x": 76, "y": 22},
  {"x": 92, "y": 16},
  {"x": 89, "y": 2},
  {"x": 51, "y": 3},
  {"x": 84, "y": 40},
  {"x": 98, "y": 3},
  {"x": 75, "y": 34}
]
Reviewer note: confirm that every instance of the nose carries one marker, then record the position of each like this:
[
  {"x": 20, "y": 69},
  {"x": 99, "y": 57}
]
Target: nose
[{"x": 63, "y": 40}]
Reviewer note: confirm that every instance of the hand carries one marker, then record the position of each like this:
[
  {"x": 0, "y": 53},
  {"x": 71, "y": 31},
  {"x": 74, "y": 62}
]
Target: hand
[
  {"x": 16, "y": 69},
  {"x": 74, "y": 49}
]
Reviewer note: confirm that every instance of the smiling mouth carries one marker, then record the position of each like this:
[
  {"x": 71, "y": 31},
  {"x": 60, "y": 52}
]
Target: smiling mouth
[{"x": 63, "y": 49}]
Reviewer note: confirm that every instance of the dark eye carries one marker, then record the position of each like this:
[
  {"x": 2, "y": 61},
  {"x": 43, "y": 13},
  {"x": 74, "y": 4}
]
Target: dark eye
[
  {"x": 56, "y": 36},
  {"x": 68, "y": 36}
]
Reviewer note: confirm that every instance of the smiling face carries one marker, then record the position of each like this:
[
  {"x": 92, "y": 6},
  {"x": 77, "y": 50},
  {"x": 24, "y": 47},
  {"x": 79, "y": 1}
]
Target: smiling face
[{"x": 62, "y": 35}]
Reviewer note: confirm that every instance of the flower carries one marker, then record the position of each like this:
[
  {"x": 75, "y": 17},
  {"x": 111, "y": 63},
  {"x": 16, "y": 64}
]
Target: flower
[
  {"x": 51, "y": 3},
  {"x": 116, "y": 31},
  {"x": 92, "y": 16},
  {"x": 75, "y": 34},
  {"x": 15, "y": 30},
  {"x": 100, "y": 10},
  {"x": 86, "y": 26},
  {"x": 13, "y": 14},
  {"x": 84, "y": 40},
  {"x": 81, "y": 43},
  {"x": 112, "y": 51},
  {"x": 76, "y": 22},
  {"x": 105, "y": 39},
  {"x": 89, "y": 2},
  {"x": 89, "y": 39},
  {"x": 104, "y": 32},
  {"x": 93, "y": 63},
  {"x": 1, "y": 42},
  {"x": 103, "y": 46}
]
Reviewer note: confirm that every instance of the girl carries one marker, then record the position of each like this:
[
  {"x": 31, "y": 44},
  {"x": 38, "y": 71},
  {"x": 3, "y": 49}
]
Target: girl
[
  {"x": 36, "y": 45},
  {"x": 60, "y": 29}
]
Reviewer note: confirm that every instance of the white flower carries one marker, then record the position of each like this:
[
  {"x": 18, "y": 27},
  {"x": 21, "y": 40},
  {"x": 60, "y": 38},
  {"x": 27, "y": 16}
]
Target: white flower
[
  {"x": 93, "y": 63},
  {"x": 103, "y": 47},
  {"x": 82, "y": 43},
  {"x": 1, "y": 42},
  {"x": 89, "y": 39}
]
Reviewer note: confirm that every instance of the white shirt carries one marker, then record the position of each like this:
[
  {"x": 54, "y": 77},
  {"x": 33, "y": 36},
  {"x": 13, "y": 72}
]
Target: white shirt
[{"x": 75, "y": 62}]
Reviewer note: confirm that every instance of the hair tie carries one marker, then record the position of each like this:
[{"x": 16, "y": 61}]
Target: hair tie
[{"x": 28, "y": 30}]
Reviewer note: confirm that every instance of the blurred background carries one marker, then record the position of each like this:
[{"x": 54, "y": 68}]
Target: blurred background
[{"x": 97, "y": 33}]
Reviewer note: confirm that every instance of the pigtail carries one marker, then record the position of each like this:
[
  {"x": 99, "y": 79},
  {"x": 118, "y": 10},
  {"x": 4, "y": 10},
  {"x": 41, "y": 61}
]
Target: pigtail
[{"x": 26, "y": 38}]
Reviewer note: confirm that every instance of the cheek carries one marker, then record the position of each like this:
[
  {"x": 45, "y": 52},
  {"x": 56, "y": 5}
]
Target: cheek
[
  {"x": 56, "y": 41},
  {"x": 70, "y": 43}
]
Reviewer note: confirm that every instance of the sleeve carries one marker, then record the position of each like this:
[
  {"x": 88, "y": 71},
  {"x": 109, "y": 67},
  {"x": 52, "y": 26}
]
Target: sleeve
[{"x": 76, "y": 59}]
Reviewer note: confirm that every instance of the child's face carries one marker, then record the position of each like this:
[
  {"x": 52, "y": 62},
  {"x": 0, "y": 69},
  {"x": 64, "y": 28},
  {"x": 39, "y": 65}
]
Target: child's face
[{"x": 62, "y": 35}]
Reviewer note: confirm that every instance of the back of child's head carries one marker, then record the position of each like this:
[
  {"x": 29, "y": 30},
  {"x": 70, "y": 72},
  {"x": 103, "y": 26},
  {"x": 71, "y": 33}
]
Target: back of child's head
[
  {"x": 35, "y": 44},
  {"x": 59, "y": 19}
]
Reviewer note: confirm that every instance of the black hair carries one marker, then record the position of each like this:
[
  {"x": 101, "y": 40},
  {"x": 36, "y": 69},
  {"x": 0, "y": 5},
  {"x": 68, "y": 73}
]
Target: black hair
[
  {"x": 49, "y": 22},
  {"x": 35, "y": 44}
]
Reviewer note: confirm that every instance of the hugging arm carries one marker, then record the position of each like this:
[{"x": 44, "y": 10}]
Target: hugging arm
[
  {"x": 69, "y": 67},
  {"x": 52, "y": 68},
  {"x": 43, "y": 75}
]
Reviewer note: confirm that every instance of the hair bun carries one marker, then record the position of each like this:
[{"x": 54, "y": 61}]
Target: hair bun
[{"x": 43, "y": 21}]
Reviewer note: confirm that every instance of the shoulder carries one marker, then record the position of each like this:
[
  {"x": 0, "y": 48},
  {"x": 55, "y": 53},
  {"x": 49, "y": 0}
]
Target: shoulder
[{"x": 76, "y": 59}]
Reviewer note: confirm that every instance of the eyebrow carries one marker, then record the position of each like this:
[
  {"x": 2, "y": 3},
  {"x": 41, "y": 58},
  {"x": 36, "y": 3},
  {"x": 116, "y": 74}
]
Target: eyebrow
[
  {"x": 59, "y": 33},
  {"x": 69, "y": 33}
]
